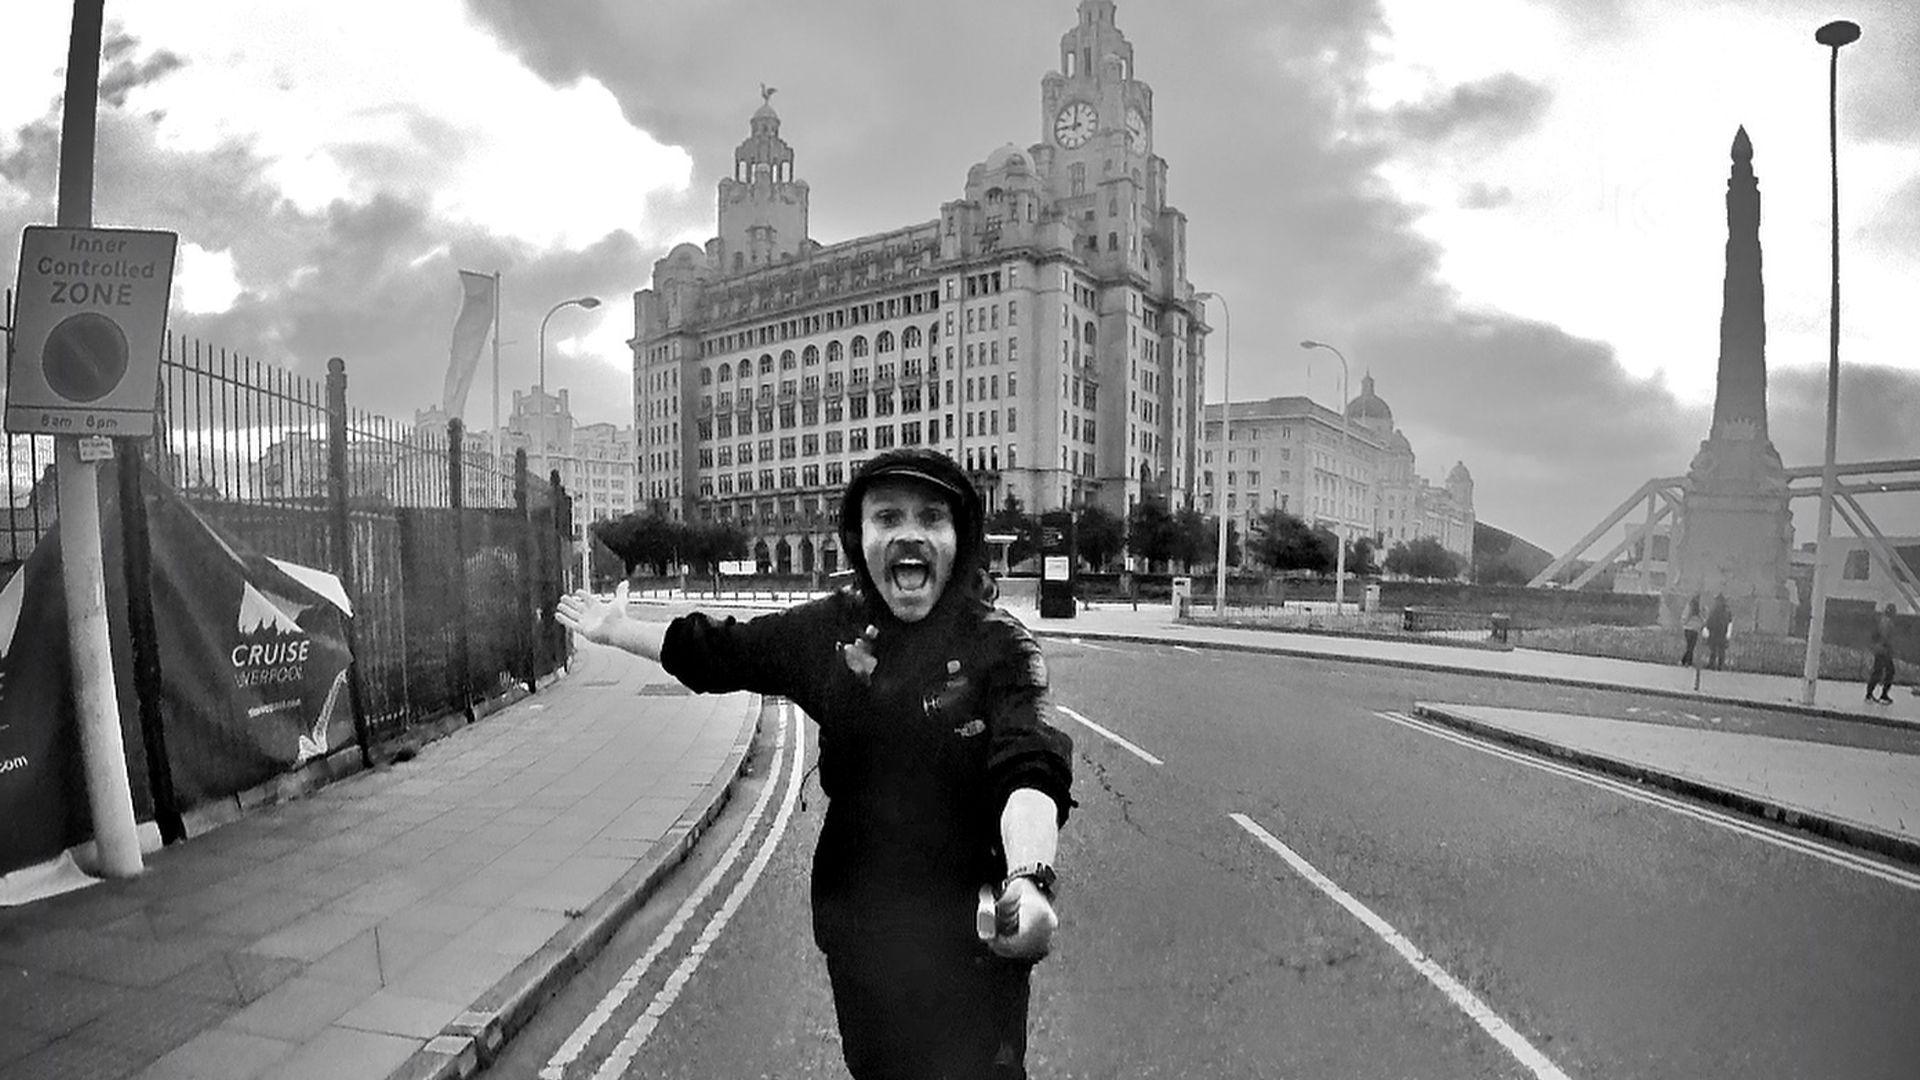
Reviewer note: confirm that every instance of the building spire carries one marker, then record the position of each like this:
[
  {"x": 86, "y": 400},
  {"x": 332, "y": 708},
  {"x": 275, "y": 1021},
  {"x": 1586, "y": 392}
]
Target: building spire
[{"x": 1740, "y": 391}]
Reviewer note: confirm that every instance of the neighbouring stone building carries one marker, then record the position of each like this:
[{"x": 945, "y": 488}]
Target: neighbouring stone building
[{"x": 1293, "y": 454}]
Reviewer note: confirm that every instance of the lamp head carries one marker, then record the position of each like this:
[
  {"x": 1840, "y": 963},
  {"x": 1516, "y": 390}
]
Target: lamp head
[
  {"x": 1311, "y": 344},
  {"x": 588, "y": 302},
  {"x": 1837, "y": 33}
]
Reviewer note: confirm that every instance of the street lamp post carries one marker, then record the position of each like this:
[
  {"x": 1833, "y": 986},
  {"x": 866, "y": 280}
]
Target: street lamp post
[
  {"x": 589, "y": 303},
  {"x": 1220, "y": 488},
  {"x": 1340, "y": 537},
  {"x": 1833, "y": 35}
]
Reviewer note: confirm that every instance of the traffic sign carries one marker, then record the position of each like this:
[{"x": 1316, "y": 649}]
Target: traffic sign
[{"x": 89, "y": 323}]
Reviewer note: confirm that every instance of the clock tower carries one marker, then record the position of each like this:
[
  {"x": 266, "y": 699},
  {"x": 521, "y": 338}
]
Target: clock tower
[{"x": 1096, "y": 119}]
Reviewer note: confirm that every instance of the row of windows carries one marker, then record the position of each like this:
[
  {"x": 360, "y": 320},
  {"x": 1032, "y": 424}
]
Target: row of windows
[
  {"x": 857, "y": 348},
  {"x": 918, "y": 303}
]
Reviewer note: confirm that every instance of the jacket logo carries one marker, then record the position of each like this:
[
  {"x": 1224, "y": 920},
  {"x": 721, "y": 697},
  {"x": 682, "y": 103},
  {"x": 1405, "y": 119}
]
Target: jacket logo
[{"x": 971, "y": 728}]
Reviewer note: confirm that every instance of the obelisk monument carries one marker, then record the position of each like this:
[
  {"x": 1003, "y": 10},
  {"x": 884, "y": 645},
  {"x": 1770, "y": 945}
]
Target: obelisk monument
[{"x": 1735, "y": 529}]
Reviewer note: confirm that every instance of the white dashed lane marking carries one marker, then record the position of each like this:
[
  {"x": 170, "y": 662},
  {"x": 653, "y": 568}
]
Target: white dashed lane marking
[{"x": 1117, "y": 740}]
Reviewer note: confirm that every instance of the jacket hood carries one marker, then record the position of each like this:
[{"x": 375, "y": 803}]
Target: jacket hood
[{"x": 931, "y": 469}]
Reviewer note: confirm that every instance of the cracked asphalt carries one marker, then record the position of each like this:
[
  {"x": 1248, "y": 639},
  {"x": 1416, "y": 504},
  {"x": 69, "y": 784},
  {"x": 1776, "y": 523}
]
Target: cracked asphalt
[{"x": 1618, "y": 939}]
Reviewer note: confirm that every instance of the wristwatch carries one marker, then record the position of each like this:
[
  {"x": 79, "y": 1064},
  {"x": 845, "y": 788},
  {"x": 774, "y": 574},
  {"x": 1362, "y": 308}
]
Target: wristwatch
[{"x": 1039, "y": 873}]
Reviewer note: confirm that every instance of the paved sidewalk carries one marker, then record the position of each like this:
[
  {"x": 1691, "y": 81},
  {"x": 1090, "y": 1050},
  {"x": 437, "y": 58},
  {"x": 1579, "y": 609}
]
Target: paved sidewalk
[
  {"x": 345, "y": 934},
  {"x": 1867, "y": 798}
]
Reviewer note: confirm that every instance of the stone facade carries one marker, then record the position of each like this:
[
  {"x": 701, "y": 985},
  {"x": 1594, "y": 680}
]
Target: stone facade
[{"x": 1040, "y": 330}]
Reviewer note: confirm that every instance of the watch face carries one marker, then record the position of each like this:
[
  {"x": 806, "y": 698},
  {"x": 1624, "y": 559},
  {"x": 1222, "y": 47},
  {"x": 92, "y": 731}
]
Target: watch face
[
  {"x": 1075, "y": 124},
  {"x": 1136, "y": 131}
]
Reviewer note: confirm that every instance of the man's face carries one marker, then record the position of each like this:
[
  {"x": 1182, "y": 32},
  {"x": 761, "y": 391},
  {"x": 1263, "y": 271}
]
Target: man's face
[{"x": 908, "y": 540}]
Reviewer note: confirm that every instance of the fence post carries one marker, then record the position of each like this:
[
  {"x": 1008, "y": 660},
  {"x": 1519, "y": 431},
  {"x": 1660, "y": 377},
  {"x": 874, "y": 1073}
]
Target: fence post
[
  {"x": 137, "y": 562},
  {"x": 456, "y": 500},
  {"x": 556, "y": 547},
  {"x": 529, "y": 598},
  {"x": 342, "y": 525}
]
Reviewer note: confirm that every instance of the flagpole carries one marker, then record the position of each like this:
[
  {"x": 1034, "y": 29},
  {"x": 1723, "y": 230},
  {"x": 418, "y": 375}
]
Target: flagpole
[
  {"x": 496, "y": 358},
  {"x": 495, "y": 434}
]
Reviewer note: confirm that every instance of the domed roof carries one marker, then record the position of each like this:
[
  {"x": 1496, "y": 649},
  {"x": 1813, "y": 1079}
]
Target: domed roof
[
  {"x": 1459, "y": 473},
  {"x": 1008, "y": 155},
  {"x": 1369, "y": 405},
  {"x": 686, "y": 253},
  {"x": 1398, "y": 442}
]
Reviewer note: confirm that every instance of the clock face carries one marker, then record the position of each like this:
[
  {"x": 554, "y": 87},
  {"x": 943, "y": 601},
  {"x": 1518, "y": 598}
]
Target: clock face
[
  {"x": 1136, "y": 131},
  {"x": 1075, "y": 124}
]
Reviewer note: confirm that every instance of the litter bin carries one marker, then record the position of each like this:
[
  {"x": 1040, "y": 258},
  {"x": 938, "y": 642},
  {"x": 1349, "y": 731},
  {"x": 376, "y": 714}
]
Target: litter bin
[
  {"x": 1182, "y": 596},
  {"x": 1370, "y": 600}
]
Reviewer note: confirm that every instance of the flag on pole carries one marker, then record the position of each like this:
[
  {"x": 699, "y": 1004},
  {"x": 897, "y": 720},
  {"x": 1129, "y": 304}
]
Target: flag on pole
[{"x": 469, "y": 334}]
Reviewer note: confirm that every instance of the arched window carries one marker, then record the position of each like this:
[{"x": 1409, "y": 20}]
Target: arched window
[
  {"x": 859, "y": 346},
  {"x": 933, "y": 334},
  {"x": 910, "y": 338},
  {"x": 883, "y": 342},
  {"x": 726, "y": 372},
  {"x": 786, "y": 360},
  {"x": 810, "y": 356},
  {"x": 746, "y": 370},
  {"x": 706, "y": 376},
  {"x": 1087, "y": 333},
  {"x": 833, "y": 352},
  {"x": 766, "y": 363}
]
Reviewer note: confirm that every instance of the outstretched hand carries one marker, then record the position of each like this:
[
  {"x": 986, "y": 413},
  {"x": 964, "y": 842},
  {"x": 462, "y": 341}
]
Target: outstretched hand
[{"x": 591, "y": 617}]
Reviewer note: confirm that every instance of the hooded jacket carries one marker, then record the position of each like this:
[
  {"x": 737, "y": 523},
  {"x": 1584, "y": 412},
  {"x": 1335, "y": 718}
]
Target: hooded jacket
[{"x": 918, "y": 749}]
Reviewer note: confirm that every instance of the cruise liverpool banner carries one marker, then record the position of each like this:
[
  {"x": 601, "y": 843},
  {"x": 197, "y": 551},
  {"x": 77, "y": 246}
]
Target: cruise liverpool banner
[{"x": 253, "y": 659}]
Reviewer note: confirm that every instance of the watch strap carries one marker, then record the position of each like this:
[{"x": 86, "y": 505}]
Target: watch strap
[{"x": 1041, "y": 874}]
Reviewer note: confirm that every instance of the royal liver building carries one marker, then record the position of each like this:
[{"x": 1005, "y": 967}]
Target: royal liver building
[{"x": 1041, "y": 330}]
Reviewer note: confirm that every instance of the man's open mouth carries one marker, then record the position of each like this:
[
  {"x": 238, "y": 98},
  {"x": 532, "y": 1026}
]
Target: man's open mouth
[{"x": 910, "y": 574}]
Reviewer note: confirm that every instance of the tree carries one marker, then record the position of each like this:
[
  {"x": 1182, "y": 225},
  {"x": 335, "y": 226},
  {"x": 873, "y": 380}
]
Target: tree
[
  {"x": 1360, "y": 557},
  {"x": 1150, "y": 531},
  {"x": 710, "y": 543},
  {"x": 1013, "y": 520},
  {"x": 1424, "y": 559},
  {"x": 1101, "y": 535},
  {"x": 1195, "y": 537},
  {"x": 1284, "y": 542}
]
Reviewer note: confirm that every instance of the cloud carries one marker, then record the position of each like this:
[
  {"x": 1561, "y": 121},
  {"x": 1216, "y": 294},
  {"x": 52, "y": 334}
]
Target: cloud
[
  {"x": 369, "y": 278},
  {"x": 1481, "y": 195},
  {"x": 1555, "y": 432},
  {"x": 1500, "y": 108}
]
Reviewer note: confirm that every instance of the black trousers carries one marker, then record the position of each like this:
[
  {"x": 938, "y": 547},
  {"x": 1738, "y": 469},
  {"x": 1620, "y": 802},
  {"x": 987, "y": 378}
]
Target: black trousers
[
  {"x": 1881, "y": 674},
  {"x": 1693, "y": 638},
  {"x": 908, "y": 1012}
]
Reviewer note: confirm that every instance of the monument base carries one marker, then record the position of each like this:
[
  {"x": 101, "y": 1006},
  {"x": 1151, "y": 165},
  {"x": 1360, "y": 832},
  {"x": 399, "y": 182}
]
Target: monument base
[{"x": 1736, "y": 544}]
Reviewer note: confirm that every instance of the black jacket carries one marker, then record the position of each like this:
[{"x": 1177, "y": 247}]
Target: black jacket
[{"x": 916, "y": 760}]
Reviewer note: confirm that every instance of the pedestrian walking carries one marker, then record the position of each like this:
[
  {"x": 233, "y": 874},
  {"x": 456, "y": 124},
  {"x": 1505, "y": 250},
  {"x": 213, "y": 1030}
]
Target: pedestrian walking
[
  {"x": 1881, "y": 674},
  {"x": 1719, "y": 622},
  {"x": 1690, "y": 625},
  {"x": 941, "y": 770}
]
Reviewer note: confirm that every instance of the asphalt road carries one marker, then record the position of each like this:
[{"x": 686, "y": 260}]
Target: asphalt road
[{"x": 1564, "y": 929}]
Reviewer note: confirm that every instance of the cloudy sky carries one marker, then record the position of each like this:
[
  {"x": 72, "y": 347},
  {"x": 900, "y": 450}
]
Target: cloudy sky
[{"x": 1510, "y": 212}]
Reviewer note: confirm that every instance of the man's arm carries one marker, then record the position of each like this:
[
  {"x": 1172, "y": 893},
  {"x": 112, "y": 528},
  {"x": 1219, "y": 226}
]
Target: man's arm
[
  {"x": 607, "y": 624},
  {"x": 1029, "y": 827}
]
